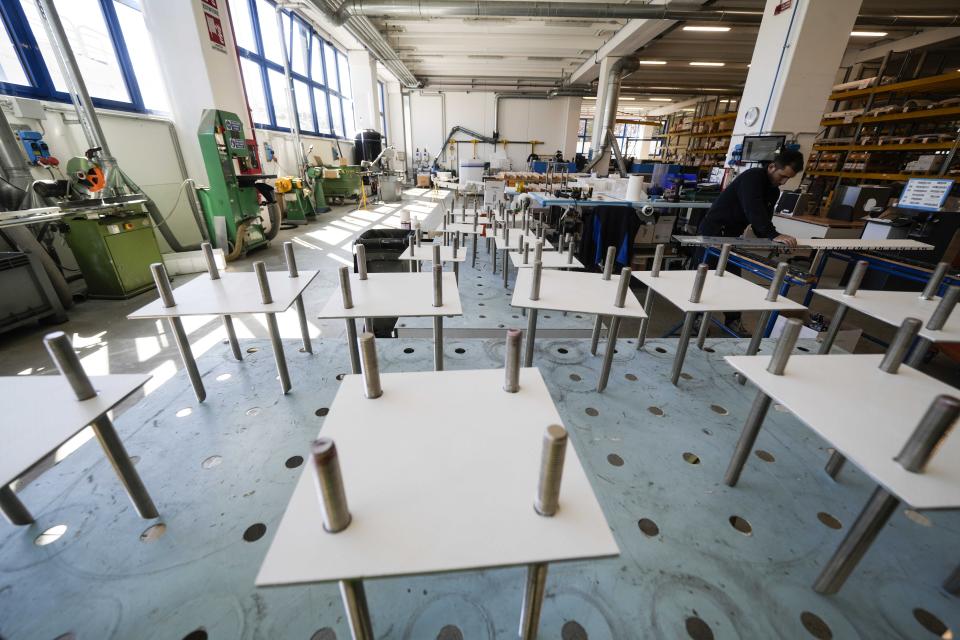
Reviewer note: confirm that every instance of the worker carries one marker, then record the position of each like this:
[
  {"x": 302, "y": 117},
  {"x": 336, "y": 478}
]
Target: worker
[{"x": 750, "y": 199}]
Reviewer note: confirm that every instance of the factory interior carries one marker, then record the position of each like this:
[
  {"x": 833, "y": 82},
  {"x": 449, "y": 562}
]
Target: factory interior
[{"x": 268, "y": 258}]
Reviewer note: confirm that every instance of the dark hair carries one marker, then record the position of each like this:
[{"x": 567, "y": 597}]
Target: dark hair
[{"x": 789, "y": 158}]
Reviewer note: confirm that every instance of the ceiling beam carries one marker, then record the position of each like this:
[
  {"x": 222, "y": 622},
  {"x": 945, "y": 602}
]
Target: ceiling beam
[{"x": 922, "y": 39}]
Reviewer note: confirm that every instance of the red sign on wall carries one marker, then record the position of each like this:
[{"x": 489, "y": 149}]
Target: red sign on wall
[
  {"x": 210, "y": 3},
  {"x": 215, "y": 30},
  {"x": 780, "y": 8}
]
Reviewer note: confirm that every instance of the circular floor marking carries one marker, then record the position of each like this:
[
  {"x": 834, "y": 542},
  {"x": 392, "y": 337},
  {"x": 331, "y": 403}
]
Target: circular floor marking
[
  {"x": 630, "y": 377},
  {"x": 408, "y": 350},
  {"x": 196, "y": 634},
  {"x": 50, "y": 535},
  {"x": 293, "y": 462},
  {"x": 254, "y": 532},
  {"x": 252, "y": 411},
  {"x": 322, "y": 411},
  {"x": 340, "y": 376},
  {"x": 153, "y": 533},
  {"x": 575, "y": 377},
  {"x": 698, "y": 629},
  {"x": 450, "y": 632},
  {"x": 804, "y": 349},
  {"x": 223, "y": 377},
  {"x": 183, "y": 413},
  {"x": 252, "y": 349},
  {"x": 480, "y": 304},
  {"x": 615, "y": 460},
  {"x": 741, "y": 525},
  {"x": 483, "y": 316},
  {"x": 685, "y": 376},
  {"x": 932, "y": 623},
  {"x": 917, "y": 517},
  {"x": 718, "y": 409},
  {"x": 459, "y": 350},
  {"x": 829, "y": 521},
  {"x": 766, "y": 456},
  {"x": 815, "y": 626},
  {"x": 547, "y": 317},
  {"x": 648, "y": 527},
  {"x": 593, "y": 413},
  {"x": 562, "y": 350},
  {"x": 660, "y": 350},
  {"x": 325, "y": 633},
  {"x": 573, "y": 630},
  {"x": 691, "y": 458},
  {"x": 657, "y": 411}
]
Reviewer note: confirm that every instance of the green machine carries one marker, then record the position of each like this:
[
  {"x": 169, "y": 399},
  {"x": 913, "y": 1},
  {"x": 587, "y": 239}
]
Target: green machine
[
  {"x": 231, "y": 203},
  {"x": 317, "y": 195},
  {"x": 299, "y": 201},
  {"x": 341, "y": 182}
]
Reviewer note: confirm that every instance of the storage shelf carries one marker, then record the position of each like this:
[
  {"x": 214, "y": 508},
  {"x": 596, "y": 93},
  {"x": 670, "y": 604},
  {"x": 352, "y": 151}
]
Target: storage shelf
[
  {"x": 920, "y": 114},
  {"x": 919, "y": 146},
  {"x": 722, "y": 134},
  {"x": 717, "y": 118},
  {"x": 897, "y": 177},
  {"x": 943, "y": 83},
  {"x": 711, "y": 151}
]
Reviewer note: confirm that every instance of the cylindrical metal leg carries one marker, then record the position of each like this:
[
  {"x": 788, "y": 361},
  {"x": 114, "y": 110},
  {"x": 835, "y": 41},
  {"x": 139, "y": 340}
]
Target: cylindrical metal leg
[
  {"x": 853, "y": 284},
  {"x": 551, "y": 470},
  {"x": 861, "y": 535},
  {"x": 698, "y": 282},
  {"x": 933, "y": 284},
  {"x": 186, "y": 355},
  {"x": 68, "y": 364},
  {"x": 493, "y": 256},
  {"x": 933, "y": 428},
  {"x": 704, "y": 329},
  {"x": 952, "y": 584},
  {"x": 371, "y": 368},
  {"x": 506, "y": 269},
  {"x": 834, "y": 329},
  {"x": 773, "y": 292},
  {"x": 942, "y": 313},
  {"x": 533, "y": 592},
  {"x": 473, "y": 257},
  {"x": 531, "y": 337},
  {"x": 835, "y": 464},
  {"x": 751, "y": 428},
  {"x": 261, "y": 270},
  {"x": 722, "y": 261},
  {"x": 352, "y": 345},
  {"x": 897, "y": 351},
  {"x": 645, "y": 322},
  {"x": 345, "y": 292},
  {"x": 920, "y": 348},
  {"x": 682, "y": 346},
  {"x": 595, "y": 336},
  {"x": 13, "y": 510},
  {"x": 304, "y": 327},
  {"x": 328, "y": 482},
  {"x": 785, "y": 344},
  {"x": 358, "y": 614},
  {"x": 278, "y": 354},
  {"x": 210, "y": 260},
  {"x": 117, "y": 455},
  {"x": 755, "y": 339},
  {"x": 232, "y": 337},
  {"x": 438, "y": 343},
  {"x": 511, "y": 366},
  {"x": 608, "y": 352}
]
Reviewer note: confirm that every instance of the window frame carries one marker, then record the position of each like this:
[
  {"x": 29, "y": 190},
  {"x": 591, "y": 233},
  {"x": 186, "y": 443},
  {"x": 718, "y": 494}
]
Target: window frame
[
  {"x": 382, "y": 97},
  {"x": 314, "y": 84},
  {"x": 41, "y": 82}
]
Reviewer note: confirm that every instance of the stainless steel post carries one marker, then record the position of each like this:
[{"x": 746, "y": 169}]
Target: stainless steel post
[
  {"x": 511, "y": 366},
  {"x": 417, "y": 234},
  {"x": 162, "y": 281},
  {"x": 413, "y": 252},
  {"x": 473, "y": 258},
  {"x": 526, "y": 252},
  {"x": 657, "y": 261},
  {"x": 897, "y": 351},
  {"x": 933, "y": 284},
  {"x": 538, "y": 251},
  {"x": 817, "y": 260},
  {"x": 773, "y": 292},
  {"x": 13, "y": 510},
  {"x": 535, "y": 279},
  {"x": 952, "y": 583},
  {"x": 834, "y": 329},
  {"x": 853, "y": 284},
  {"x": 682, "y": 345},
  {"x": 942, "y": 313},
  {"x": 437, "y": 320},
  {"x": 704, "y": 329},
  {"x": 860, "y": 536},
  {"x": 551, "y": 470},
  {"x": 66, "y": 360},
  {"x": 619, "y": 301},
  {"x": 698, "y": 282},
  {"x": 595, "y": 335},
  {"x": 919, "y": 352},
  {"x": 371, "y": 368},
  {"x": 933, "y": 428},
  {"x": 722, "y": 261},
  {"x": 835, "y": 464},
  {"x": 265, "y": 296},
  {"x": 755, "y": 340},
  {"x": 608, "y": 262},
  {"x": 493, "y": 250},
  {"x": 533, "y": 600},
  {"x": 329, "y": 485},
  {"x": 785, "y": 345},
  {"x": 214, "y": 273},
  {"x": 648, "y": 300},
  {"x": 435, "y": 249},
  {"x": 361, "y": 259},
  {"x": 358, "y": 612},
  {"x": 570, "y": 249},
  {"x": 293, "y": 272},
  {"x": 532, "y": 314}
]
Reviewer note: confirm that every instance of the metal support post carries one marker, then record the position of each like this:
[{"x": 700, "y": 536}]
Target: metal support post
[
  {"x": 835, "y": 464},
  {"x": 301, "y": 310},
  {"x": 761, "y": 404},
  {"x": 162, "y": 281},
  {"x": 13, "y": 510},
  {"x": 853, "y": 284},
  {"x": 351, "y": 324},
  {"x": 722, "y": 261},
  {"x": 506, "y": 268},
  {"x": 412, "y": 245},
  {"x": 834, "y": 329},
  {"x": 897, "y": 351},
  {"x": 371, "y": 368},
  {"x": 511, "y": 366},
  {"x": 456, "y": 251},
  {"x": 261, "y": 270},
  {"x": 214, "y": 273},
  {"x": 532, "y": 314},
  {"x": 942, "y": 313},
  {"x": 66, "y": 360},
  {"x": 682, "y": 345},
  {"x": 648, "y": 300},
  {"x": 437, "y": 320},
  {"x": 933, "y": 284},
  {"x": 620, "y": 301},
  {"x": 933, "y": 428}
]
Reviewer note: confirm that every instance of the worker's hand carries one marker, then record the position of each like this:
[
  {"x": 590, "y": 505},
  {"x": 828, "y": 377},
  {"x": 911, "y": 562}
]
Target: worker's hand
[{"x": 790, "y": 241}]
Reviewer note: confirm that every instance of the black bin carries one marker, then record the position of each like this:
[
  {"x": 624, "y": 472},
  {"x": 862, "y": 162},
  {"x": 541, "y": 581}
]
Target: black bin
[{"x": 383, "y": 247}]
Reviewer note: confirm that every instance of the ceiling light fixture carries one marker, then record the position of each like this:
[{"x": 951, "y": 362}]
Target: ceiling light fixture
[
  {"x": 695, "y": 28},
  {"x": 626, "y": 98},
  {"x": 660, "y": 99},
  {"x": 707, "y": 64},
  {"x": 868, "y": 34},
  {"x": 651, "y": 62},
  {"x": 589, "y": 97}
]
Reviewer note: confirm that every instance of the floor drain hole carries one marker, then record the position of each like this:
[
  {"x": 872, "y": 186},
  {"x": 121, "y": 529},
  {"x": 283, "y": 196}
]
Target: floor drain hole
[
  {"x": 211, "y": 462},
  {"x": 196, "y": 634},
  {"x": 500, "y": 326},
  {"x": 918, "y": 517},
  {"x": 766, "y": 456},
  {"x": 685, "y": 376},
  {"x": 804, "y": 349},
  {"x": 340, "y": 376},
  {"x": 483, "y": 316},
  {"x": 223, "y": 377},
  {"x": 593, "y": 413},
  {"x": 648, "y": 527},
  {"x": 254, "y": 532},
  {"x": 631, "y": 377},
  {"x": 51, "y": 535},
  {"x": 408, "y": 350},
  {"x": 575, "y": 377},
  {"x": 692, "y": 458},
  {"x": 450, "y": 632},
  {"x": 293, "y": 462},
  {"x": 562, "y": 350},
  {"x": 515, "y": 317},
  {"x": 578, "y": 317},
  {"x": 709, "y": 349},
  {"x": 741, "y": 525},
  {"x": 815, "y": 626},
  {"x": 153, "y": 533},
  {"x": 252, "y": 411},
  {"x": 718, "y": 409},
  {"x": 322, "y": 411},
  {"x": 183, "y": 413},
  {"x": 615, "y": 460},
  {"x": 660, "y": 350},
  {"x": 829, "y": 521},
  {"x": 324, "y": 634},
  {"x": 480, "y": 304},
  {"x": 698, "y": 629},
  {"x": 459, "y": 350},
  {"x": 572, "y": 630},
  {"x": 932, "y": 623},
  {"x": 657, "y": 411},
  {"x": 547, "y": 317},
  {"x": 249, "y": 350}
]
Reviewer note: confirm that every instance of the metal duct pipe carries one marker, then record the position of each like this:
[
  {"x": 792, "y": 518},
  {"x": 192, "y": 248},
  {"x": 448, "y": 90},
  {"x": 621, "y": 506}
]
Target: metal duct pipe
[
  {"x": 424, "y": 9},
  {"x": 621, "y": 69}
]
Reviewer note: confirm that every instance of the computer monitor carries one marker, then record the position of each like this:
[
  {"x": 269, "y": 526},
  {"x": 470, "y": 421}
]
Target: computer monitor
[
  {"x": 716, "y": 175},
  {"x": 762, "y": 148},
  {"x": 925, "y": 194}
]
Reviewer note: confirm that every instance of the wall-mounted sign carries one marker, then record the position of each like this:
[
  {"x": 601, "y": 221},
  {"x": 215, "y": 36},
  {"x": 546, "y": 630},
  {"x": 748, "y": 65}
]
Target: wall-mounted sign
[
  {"x": 210, "y": 3},
  {"x": 215, "y": 32},
  {"x": 783, "y": 6}
]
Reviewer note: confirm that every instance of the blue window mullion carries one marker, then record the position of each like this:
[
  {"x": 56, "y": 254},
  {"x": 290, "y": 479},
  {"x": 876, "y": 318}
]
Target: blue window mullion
[{"x": 28, "y": 51}]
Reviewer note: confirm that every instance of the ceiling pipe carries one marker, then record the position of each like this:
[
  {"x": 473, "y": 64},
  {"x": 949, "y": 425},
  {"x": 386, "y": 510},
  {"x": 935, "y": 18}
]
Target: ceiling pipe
[
  {"x": 423, "y": 9},
  {"x": 618, "y": 71}
]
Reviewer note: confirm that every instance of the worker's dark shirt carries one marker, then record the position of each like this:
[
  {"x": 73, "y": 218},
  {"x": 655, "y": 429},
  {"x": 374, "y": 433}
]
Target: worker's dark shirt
[{"x": 748, "y": 200}]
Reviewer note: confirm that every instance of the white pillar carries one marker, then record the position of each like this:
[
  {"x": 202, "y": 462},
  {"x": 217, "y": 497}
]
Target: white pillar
[
  {"x": 366, "y": 98},
  {"x": 182, "y": 41},
  {"x": 793, "y": 68},
  {"x": 601, "y": 106}
]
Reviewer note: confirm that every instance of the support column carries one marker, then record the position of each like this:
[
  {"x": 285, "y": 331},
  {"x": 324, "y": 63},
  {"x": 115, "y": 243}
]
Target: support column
[
  {"x": 606, "y": 67},
  {"x": 366, "y": 93}
]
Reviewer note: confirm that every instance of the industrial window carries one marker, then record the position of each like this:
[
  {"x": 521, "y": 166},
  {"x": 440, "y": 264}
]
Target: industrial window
[
  {"x": 383, "y": 110},
  {"x": 110, "y": 42},
  {"x": 321, "y": 78},
  {"x": 583, "y": 136}
]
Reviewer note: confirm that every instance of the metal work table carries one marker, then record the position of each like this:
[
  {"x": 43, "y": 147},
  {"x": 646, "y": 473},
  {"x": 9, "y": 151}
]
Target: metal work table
[{"x": 545, "y": 200}]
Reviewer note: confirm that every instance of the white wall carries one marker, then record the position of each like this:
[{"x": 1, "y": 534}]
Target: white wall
[{"x": 554, "y": 122}]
